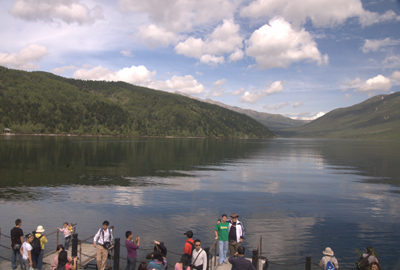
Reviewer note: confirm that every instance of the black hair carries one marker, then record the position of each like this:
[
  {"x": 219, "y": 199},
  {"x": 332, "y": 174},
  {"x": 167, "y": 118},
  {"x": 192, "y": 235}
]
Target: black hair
[
  {"x": 185, "y": 261},
  {"x": 60, "y": 247},
  {"x": 66, "y": 223},
  {"x": 158, "y": 256},
  {"x": 17, "y": 222},
  {"x": 105, "y": 222},
  {"x": 197, "y": 240},
  {"x": 28, "y": 235},
  {"x": 241, "y": 250},
  {"x": 189, "y": 234},
  {"x": 62, "y": 258},
  {"x": 224, "y": 215},
  {"x": 142, "y": 266},
  {"x": 127, "y": 234},
  {"x": 370, "y": 250}
]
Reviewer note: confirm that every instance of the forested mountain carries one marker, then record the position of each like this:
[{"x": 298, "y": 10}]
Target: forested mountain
[
  {"x": 40, "y": 102},
  {"x": 274, "y": 122},
  {"x": 376, "y": 118}
]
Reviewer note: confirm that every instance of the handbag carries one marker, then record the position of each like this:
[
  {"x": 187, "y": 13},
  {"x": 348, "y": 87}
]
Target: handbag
[{"x": 16, "y": 246}]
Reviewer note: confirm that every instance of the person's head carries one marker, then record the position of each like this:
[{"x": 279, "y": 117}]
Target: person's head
[
  {"x": 189, "y": 234},
  {"x": 105, "y": 224},
  {"x": 197, "y": 244},
  {"x": 65, "y": 224},
  {"x": 185, "y": 261},
  {"x": 143, "y": 266},
  {"x": 129, "y": 235},
  {"x": 157, "y": 255},
  {"x": 374, "y": 266},
  {"x": 18, "y": 222},
  {"x": 224, "y": 218},
  {"x": 370, "y": 250},
  {"x": 241, "y": 250},
  {"x": 234, "y": 217},
  {"x": 62, "y": 258},
  {"x": 40, "y": 229},
  {"x": 29, "y": 237},
  {"x": 60, "y": 248}
]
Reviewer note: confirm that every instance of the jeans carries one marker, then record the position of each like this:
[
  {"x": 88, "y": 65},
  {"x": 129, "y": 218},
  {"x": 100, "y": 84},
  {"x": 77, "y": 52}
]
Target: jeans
[
  {"x": 14, "y": 255},
  {"x": 25, "y": 264},
  {"x": 223, "y": 249},
  {"x": 67, "y": 241},
  {"x": 38, "y": 259},
  {"x": 131, "y": 263}
]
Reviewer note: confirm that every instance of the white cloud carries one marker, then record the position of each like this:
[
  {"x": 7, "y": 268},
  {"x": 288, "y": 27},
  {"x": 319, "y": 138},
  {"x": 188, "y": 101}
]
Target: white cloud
[
  {"x": 252, "y": 97},
  {"x": 26, "y": 57},
  {"x": 217, "y": 89},
  {"x": 68, "y": 11},
  {"x": 224, "y": 39},
  {"x": 376, "y": 44},
  {"x": 396, "y": 75},
  {"x": 154, "y": 36},
  {"x": 302, "y": 116},
  {"x": 219, "y": 82},
  {"x": 354, "y": 83},
  {"x": 237, "y": 55},
  {"x": 138, "y": 75},
  {"x": 126, "y": 53},
  {"x": 321, "y": 13},
  {"x": 186, "y": 84},
  {"x": 378, "y": 83},
  {"x": 277, "y": 45},
  {"x": 62, "y": 70},
  {"x": 347, "y": 96},
  {"x": 238, "y": 92},
  {"x": 392, "y": 61},
  {"x": 297, "y": 104},
  {"x": 179, "y": 16},
  {"x": 277, "y": 106}
]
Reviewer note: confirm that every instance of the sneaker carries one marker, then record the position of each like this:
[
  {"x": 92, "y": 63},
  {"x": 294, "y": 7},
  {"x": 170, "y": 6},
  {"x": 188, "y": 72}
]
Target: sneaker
[
  {"x": 219, "y": 264},
  {"x": 226, "y": 262}
]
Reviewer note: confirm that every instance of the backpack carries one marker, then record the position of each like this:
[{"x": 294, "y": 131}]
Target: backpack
[
  {"x": 330, "y": 266},
  {"x": 362, "y": 263},
  {"x": 36, "y": 247}
]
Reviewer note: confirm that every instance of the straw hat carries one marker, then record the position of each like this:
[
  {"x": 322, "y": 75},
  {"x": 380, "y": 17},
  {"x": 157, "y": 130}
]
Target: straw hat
[
  {"x": 328, "y": 251},
  {"x": 40, "y": 229}
]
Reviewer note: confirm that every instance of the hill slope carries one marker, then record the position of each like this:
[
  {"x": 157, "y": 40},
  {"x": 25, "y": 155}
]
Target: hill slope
[
  {"x": 40, "y": 102},
  {"x": 274, "y": 122},
  {"x": 376, "y": 118}
]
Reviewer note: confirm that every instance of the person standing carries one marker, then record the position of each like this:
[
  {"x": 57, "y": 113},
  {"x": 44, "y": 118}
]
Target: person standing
[
  {"x": 17, "y": 238},
  {"x": 25, "y": 251},
  {"x": 236, "y": 233},
  {"x": 131, "y": 248},
  {"x": 103, "y": 242},
  {"x": 199, "y": 256},
  {"x": 329, "y": 257},
  {"x": 38, "y": 243},
  {"x": 67, "y": 235},
  {"x": 189, "y": 244},
  {"x": 222, "y": 234},
  {"x": 239, "y": 262}
]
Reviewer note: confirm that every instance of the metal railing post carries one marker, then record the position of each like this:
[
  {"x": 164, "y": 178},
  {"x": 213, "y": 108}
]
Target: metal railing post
[
  {"x": 207, "y": 250},
  {"x": 254, "y": 258},
  {"x": 116, "y": 253},
  {"x": 308, "y": 263},
  {"x": 74, "y": 250}
]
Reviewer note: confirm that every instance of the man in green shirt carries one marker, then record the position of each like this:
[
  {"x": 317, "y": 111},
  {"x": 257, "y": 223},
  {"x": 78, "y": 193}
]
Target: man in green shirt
[{"x": 222, "y": 234}]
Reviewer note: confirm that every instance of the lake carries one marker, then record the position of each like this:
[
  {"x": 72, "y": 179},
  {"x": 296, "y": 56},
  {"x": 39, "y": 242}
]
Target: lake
[{"x": 299, "y": 195}]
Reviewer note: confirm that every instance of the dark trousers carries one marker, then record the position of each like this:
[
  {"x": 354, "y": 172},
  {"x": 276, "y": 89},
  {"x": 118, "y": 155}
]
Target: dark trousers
[
  {"x": 131, "y": 264},
  {"x": 199, "y": 267},
  {"x": 67, "y": 241},
  {"x": 16, "y": 254}
]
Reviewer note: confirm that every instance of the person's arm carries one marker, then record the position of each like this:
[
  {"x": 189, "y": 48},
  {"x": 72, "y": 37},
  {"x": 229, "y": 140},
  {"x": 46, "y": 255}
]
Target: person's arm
[
  {"x": 186, "y": 248},
  {"x": 321, "y": 263},
  {"x": 30, "y": 258},
  {"x": 137, "y": 242},
  {"x": 216, "y": 235},
  {"x": 11, "y": 239},
  {"x": 21, "y": 251},
  {"x": 242, "y": 236},
  {"x": 44, "y": 239},
  {"x": 163, "y": 248},
  {"x": 96, "y": 237},
  {"x": 111, "y": 237},
  {"x": 231, "y": 259},
  {"x": 22, "y": 239},
  {"x": 204, "y": 259}
]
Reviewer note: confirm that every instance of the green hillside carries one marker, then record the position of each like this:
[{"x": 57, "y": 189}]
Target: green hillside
[
  {"x": 377, "y": 118},
  {"x": 40, "y": 102}
]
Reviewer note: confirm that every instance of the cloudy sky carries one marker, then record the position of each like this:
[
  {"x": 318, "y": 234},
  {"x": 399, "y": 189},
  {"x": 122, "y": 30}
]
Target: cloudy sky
[{"x": 296, "y": 58}]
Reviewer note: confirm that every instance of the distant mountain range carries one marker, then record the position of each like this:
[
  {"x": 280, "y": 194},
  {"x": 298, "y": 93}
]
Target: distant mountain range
[
  {"x": 274, "y": 122},
  {"x": 41, "y": 102},
  {"x": 377, "y": 118}
]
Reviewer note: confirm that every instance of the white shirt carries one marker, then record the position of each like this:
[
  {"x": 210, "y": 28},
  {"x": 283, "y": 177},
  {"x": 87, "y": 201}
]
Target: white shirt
[
  {"x": 25, "y": 248},
  {"x": 201, "y": 260},
  {"x": 327, "y": 259},
  {"x": 99, "y": 236}
]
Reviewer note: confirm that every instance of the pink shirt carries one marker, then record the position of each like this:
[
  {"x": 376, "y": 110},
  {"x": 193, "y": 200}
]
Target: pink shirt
[{"x": 178, "y": 267}]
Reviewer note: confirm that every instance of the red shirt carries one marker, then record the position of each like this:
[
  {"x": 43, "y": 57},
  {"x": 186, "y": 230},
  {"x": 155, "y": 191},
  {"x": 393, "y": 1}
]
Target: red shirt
[{"x": 188, "y": 247}]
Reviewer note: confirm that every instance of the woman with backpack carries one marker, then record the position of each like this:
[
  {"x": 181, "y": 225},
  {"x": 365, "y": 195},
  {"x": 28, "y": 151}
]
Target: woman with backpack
[
  {"x": 159, "y": 262},
  {"x": 328, "y": 258},
  {"x": 55, "y": 261},
  {"x": 38, "y": 243}
]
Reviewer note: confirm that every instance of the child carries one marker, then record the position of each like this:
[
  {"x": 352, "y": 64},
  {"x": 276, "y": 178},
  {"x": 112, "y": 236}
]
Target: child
[
  {"x": 67, "y": 234},
  {"x": 26, "y": 252}
]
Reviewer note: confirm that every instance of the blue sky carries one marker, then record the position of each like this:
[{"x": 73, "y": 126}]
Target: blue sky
[{"x": 300, "y": 59}]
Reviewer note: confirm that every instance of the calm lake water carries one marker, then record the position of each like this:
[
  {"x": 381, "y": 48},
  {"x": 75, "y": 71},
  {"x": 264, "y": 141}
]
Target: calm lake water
[{"x": 299, "y": 195}]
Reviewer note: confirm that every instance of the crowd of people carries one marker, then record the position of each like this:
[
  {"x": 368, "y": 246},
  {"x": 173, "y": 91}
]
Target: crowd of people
[{"x": 229, "y": 233}]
